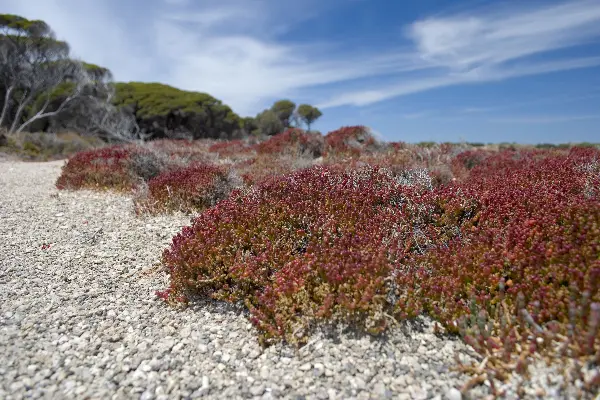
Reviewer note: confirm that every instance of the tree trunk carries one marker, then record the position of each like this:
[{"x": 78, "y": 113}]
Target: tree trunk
[
  {"x": 41, "y": 114},
  {"x": 20, "y": 109},
  {"x": 6, "y": 105}
]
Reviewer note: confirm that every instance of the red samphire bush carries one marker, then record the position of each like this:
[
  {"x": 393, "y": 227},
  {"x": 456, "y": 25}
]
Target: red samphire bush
[
  {"x": 98, "y": 169},
  {"x": 293, "y": 141},
  {"x": 350, "y": 141},
  {"x": 315, "y": 245},
  {"x": 187, "y": 189}
]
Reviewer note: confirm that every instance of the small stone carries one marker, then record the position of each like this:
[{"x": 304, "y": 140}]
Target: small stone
[
  {"x": 305, "y": 367},
  {"x": 453, "y": 394},
  {"x": 418, "y": 393},
  {"x": 155, "y": 364},
  {"x": 319, "y": 369},
  {"x": 257, "y": 390},
  {"x": 360, "y": 383},
  {"x": 380, "y": 390},
  {"x": 69, "y": 385},
  {"x": 264, "y": 372},
  {"x": 254, "y": 354},
  {"x": 332, "y": 394}
]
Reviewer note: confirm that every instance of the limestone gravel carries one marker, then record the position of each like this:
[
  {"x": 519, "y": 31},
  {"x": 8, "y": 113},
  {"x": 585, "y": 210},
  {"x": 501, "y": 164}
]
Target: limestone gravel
[{"x": 79, "y": 317}]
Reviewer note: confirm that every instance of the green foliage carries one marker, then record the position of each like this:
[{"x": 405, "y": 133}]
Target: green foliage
[
  {"x": 308, "y": 114},
  {"x": 47, "y": 64},
  {"x": 156, "y": 99},
  {"x": 18, "y": 23},
  {"x": 56, "y": 94},
  {"x": 162, "y": 109},
  {"x": 31, "y": 149},
  {"x": 284, "y": 110},
  {"x": 269, "y": 123},
  {"x": 97, "y": 72},
  {"x": 47, "y": 146},
  {"x": 426, "y": 144},
  {"x": 249, "y": 124},
  {"x": 22, "y": 35}
]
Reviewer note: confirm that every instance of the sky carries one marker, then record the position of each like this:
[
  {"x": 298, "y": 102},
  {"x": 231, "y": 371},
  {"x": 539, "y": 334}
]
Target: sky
[{"x": 428, "y": 70}]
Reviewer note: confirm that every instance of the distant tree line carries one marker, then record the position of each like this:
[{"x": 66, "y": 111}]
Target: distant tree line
[
  {"x": 43, "y": 89},
  {"x": 283, "y": 115}
]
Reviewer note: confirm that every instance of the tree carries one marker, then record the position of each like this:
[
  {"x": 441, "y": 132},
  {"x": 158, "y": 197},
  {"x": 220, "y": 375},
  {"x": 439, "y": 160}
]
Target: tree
[
  {"x": 165, "y": 111},
  {"x": 284, "y": 110},
  {"x": 33, "y": 62},
  {"x": 68, "y": 75},
  {"x": 308, "y": 114},
  {"x": 96, "y": 114},
  {"x": 93, "y": 111},
  {"x": 249, "y": 125},
  {"x": 269, "y": 123},
  {"x": 42, "y": 88}
]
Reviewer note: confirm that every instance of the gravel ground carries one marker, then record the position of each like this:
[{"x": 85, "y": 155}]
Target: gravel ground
[{"x": 79, "y": 319}]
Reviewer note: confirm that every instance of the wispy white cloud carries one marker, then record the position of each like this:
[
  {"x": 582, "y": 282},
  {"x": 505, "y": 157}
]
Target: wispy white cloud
[
  {"x": 543, "y": 119},
  {"x": 476, "y": 110},
  {"x": 95, "y": 34},
  {"x": 233, "y": 48},
  {"x": 540, "y": 101},
  {"x": 417, "y": 115},
  {"x": 490, "y": 45},
  {"x": 493, "y": 37}
]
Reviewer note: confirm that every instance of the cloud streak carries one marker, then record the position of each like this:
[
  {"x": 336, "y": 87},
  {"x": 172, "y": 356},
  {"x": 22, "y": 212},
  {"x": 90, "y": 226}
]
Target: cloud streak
[
  {"x": 543, "y": 119},
  {"x": 489, "y": 46},
  {"x": 234, "y": 49}
]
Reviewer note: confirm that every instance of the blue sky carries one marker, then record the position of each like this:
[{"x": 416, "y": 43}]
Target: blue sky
[{"x": 443, "y": 70}]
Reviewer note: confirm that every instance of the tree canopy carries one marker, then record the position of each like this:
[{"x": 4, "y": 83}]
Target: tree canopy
[
  {"x": 166, "y": 111},
  {"x": 42, "y": 88},
  {"x": 284, "y": 110},
  {"x": 32, "y": 63},
  {"x": 283, "y": 114},
  {"x": 308, "y": 114}
]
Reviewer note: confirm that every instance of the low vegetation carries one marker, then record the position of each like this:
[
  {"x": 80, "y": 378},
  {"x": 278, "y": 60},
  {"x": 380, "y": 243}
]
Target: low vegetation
[
  {"x": 42, "y": 146},
  {"x": 498, "y": 245},
  {"x": 189, "y": 189}
]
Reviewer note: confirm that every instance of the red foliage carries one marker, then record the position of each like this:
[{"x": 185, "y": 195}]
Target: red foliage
[
  {"x": 294, "y": 141},
  {"x": 537, "y": 228},
  {"x": 188, "y": 189},
  {"x": 349, "y": 141},
  {"x": 318, "y": 243},
  {"x": 98, "y": 169},
  {"x": 230, "y": 148},
  {"x": 181, "y": 149},
  {"x": 464, "y": 162}
]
